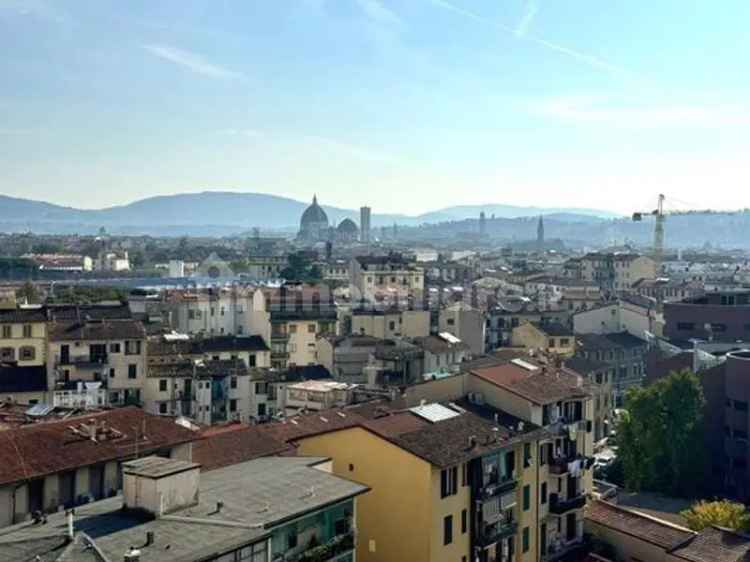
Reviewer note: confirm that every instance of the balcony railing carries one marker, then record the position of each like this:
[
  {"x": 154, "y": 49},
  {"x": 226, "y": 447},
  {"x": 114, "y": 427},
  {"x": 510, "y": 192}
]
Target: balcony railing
[
  {"x": 495, "y": 534},
  {"x": 560, "y": 465},
  {"x": 82, "y": 361},
  {"x": 498, "y": 488},
  {"x": 337, "y": 546},
  {"x": 559, "y": 506}
]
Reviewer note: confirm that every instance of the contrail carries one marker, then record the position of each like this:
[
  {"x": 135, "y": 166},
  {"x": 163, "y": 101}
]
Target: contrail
[{"x": 591, "y": 60}]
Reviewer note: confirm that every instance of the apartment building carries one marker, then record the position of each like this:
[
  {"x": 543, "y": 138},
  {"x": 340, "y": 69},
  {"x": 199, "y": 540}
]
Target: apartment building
[
  {"x": 467, "y": 482},
  {"x": 465, "y": 322},
  {"x": 394, "y": 274},
  {"x": 615, "y": 272},
  {"x": 317, "y": 395},
  {"x": 112, "y": 352},
  {"x": 443, "y": 353},
  {"x": 665, "y": 289},
  {"x": 625, "y": 355},
  {"x": 67, "y": 463},
  {"x": 390, "y": 323},
  {"x": 602, "y": 374},
  {"x": 719, "y": 316},
  {"x": 276, "y": 508},
  {"x": 561, "y": 401},
  {"x": 509, "y": 313},
  {"x": 295, "y": 331},
  {"x": 23, "y": 353},
  {"x": 549, "y": 337},
  {"x": 633, "y": 314},
  {"x": 218, "y": 312}
]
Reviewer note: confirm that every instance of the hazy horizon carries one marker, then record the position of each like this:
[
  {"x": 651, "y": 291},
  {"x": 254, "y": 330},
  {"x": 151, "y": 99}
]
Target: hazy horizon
[{"x": 407, "y": 107}]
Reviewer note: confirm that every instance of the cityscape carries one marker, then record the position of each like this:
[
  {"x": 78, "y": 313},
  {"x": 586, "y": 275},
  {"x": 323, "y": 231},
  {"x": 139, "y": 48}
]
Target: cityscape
[{"x": 419, "y": 337}]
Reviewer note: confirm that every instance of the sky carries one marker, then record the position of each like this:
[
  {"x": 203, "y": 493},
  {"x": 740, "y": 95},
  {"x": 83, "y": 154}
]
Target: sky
[{"x": 403, "y": 105}]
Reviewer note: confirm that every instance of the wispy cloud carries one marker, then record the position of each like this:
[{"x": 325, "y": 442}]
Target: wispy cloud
[
  {"x": 193, "y": 62},
  {"x": 378, "y": 12},
  {"x": 590, "y": 60},
  {"x": 530, "y": 10},
  {"x": 600, "y": 110}
]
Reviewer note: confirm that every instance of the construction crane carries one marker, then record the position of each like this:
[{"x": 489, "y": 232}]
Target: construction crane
[{"x": 660, "y": 217}]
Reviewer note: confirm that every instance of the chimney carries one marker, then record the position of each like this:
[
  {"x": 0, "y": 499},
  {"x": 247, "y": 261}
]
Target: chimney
[
  {"x": 149, "y": 539},
  {"x": 158, "y": 486},
  {"x": 71, "y": 530}
]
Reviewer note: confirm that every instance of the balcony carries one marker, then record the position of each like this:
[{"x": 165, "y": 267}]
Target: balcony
[
  {"x": 337, "y": 546},
  {"x": 559, "y": 506},
  {"x": 498, "y": 488},
  {"x": 495, "y": 534},
  {"x": 560, "y": 465},
  {"x": 82, "y": 362}
]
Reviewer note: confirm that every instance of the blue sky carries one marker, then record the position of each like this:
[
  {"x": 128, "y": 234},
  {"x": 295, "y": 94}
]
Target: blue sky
[{"x": 405, "y": 105}]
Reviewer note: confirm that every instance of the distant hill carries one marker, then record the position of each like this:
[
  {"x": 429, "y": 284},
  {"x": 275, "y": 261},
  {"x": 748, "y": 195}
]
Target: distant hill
[{"x": 222, "y": 212}]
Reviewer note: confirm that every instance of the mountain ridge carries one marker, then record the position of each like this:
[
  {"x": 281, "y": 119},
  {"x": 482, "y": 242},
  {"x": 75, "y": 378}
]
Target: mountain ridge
[{"x": 245, "y": 210}]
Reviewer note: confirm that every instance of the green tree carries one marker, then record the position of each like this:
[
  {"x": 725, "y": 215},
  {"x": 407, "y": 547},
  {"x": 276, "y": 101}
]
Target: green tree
[
  {"x": 29, "y": 292},
  {"x": 661, "y": 436},
  {"x": 723, "y": 513},
  {"x": 301, "y": 268}
]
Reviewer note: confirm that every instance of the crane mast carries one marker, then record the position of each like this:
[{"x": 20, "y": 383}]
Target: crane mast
[{"x": 659, "y": 233}]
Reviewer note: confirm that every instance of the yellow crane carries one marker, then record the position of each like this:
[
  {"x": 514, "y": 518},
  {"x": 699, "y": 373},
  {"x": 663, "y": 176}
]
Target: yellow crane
[{"x": 660, "y": 217}]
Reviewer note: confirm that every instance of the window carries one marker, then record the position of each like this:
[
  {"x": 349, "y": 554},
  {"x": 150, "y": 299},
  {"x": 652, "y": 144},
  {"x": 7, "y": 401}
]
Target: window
[
  {"x": 7, "y": 332},
  {"x": 526, "y": 455},
  {"x": 233, "y": 405},
  {"x": 132, "y": 371},
  {"x": 27, "y": 353},
  {"x": 526, "y": 497},
  {"x": 311, "y": 328},
  {"x": 447, "y": 530},
  {"x": 450, "y": 321},
  {"x": 543, "y": 494},
  {"x": 716, "y": 327},
  {"x": 133, "y": 347},
  {"x": 27, "y": 330},
  {"x": 292, "y": 328},
  {"x": 7, "y": 354},
  {"x": 465, "y": 474},
  {"x": 162, "y": 408},
  {"x": 233, "y": 382},
  {"x": 114, "y": 348},
  {"x": 162, "y": 385},
  {"x": 391, "y": 325},
  {"x": 261, "y": 388},
  {"x": 448, "y": 482},
  {"x": 112, "y": 373},
  {"x": 252, "y": 361},
  {"x": 464, "y": 521},
  {"x": 525, "y": 540},
  {"x": 740, "y": 406}
]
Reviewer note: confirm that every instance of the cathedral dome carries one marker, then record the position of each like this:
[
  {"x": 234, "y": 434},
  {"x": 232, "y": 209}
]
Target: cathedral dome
[
  {"x": 314, "y": 215},
  {"x": 348, "y": 226}
]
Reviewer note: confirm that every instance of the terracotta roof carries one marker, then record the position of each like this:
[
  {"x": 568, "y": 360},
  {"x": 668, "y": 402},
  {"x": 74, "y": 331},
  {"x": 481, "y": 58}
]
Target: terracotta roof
[
  {"x": 299, "y": 427},
  {"x": 396, "y": 424},
  {"x": 542, "y": 386},
  {"x": 37, "y": 450},
  {"x": 233, "y": 444},
  {"x": 715, "y": 545},
  {"x": 654, "y": 531},
  {"x": 232, "y": 343}
]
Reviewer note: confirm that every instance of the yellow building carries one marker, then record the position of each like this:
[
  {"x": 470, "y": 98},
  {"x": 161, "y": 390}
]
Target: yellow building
[
  {"x": 447, "y": 484},
  {"x": 560, "y": 401},
  {"x": 549, "y": 338},
  {"x": 23, "y": 353}
]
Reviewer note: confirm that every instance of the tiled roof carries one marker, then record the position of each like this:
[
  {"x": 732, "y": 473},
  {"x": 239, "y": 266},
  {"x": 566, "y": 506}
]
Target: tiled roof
[
  {"x": 97, "y": 330},
  {"x": 459, "y": 439},
  {"x": 585, "y": 366},
  {"x": 659, "y": 533},
  {"x": 22, "y": 316},
  {"x": 713, "y": 544},
  {"x": 224, "y": 446},
  {"x": 232, "y": 343},
  {"x": 435, "y": 344},
  {"x": 553, "y": 329},
  {"x": 37, "y": 450},
  {"x": 542, "y": 386},
  {"x": 23, "y": 379},
  {"x": 80, "y": 312}
]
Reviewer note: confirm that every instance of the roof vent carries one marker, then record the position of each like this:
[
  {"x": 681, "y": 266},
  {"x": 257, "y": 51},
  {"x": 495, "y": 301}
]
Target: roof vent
[{"x": 132, "y": 555}]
